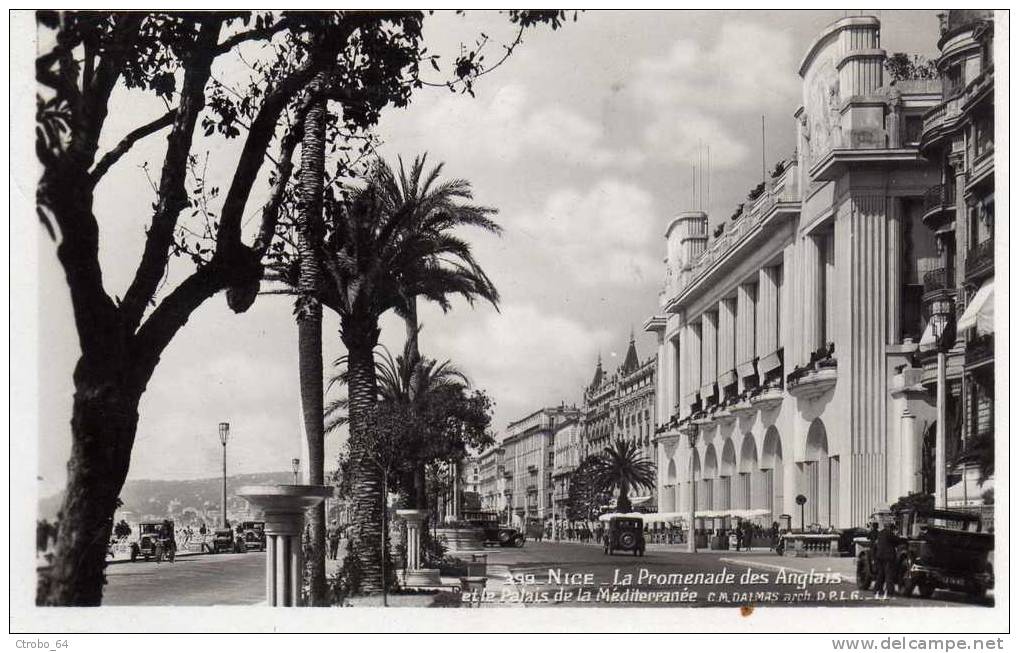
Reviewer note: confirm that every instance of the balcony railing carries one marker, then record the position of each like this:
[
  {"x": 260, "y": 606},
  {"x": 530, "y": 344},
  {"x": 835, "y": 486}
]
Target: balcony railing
[
  {"x": 933, "y": 118},
  {"x": 938, "y": 198},
  {"x": 980, "y": 260}
]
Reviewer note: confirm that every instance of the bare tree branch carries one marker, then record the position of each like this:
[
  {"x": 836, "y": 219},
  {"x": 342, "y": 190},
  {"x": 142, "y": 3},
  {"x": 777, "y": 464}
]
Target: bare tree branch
[
  {"x": 253, "y": 34},
  {"x": 111, "y": 157}
]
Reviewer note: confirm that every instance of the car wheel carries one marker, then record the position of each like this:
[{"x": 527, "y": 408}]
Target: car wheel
[
  {"x": 863, "y": 579},
  {"x": 134, "y": 554},
  {"x": 926, "y": 589},
  {"x": 977, "y": 592},
  {"x": 520, "y": 542}
]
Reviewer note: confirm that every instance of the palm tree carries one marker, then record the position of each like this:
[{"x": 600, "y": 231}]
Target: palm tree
[
  {"x": 372, "y": 256},
  {"x": 408, "y": 381},
  {"x": 439, "y": 208},
  {"x": 621, "y": 467},
  {"x": 308, "y": 311}
]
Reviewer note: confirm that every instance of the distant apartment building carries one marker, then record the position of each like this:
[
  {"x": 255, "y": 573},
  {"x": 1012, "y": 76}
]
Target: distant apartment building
[
  {"x": 790, "y": 338},
  {"x": 622, "y": 405},
  {"x": 567, "y": 448},
  {"x": 516, "y": 476}
]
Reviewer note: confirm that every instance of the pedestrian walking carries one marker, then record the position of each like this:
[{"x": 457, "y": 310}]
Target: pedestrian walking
[
  {"x": 334, "y": 540},
  {"x": 885, "y": 552}
]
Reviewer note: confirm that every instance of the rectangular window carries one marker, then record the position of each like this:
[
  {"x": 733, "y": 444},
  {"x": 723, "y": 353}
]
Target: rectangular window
[{"x": 912, "y": 129}]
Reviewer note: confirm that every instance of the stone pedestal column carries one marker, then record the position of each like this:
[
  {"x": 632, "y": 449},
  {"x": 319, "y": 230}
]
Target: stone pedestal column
[
  {"x": 416, "y": 575},
  {"x": 283, "y": 508}
]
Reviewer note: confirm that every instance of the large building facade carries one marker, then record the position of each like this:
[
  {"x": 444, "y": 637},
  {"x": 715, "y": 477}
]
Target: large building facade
[
  {"x": 789, "y": 341},
  {"x": 958, "y": 137}
]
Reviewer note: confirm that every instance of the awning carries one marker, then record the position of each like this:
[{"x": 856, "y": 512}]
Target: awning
[
  {"x": 636, "y": 501},
  {"x": 980, "y": 311},
  {"x": 769, "y": 362},
  {"x": 927, "y": 340}
]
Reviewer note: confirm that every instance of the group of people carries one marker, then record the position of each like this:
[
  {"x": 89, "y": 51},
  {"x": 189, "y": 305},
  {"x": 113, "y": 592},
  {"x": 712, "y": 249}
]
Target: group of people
[
  {"x": 573, "y": 532},
  {"x": 884, "y": 543}
]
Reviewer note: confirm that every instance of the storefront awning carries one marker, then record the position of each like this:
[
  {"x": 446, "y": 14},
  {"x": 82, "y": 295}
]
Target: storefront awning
[
  {"x": 927, "y": 340},
  {"x": 980, "y": 311}
]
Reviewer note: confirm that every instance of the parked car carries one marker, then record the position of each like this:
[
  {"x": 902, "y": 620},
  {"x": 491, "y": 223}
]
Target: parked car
[
  {"x": 253, "y": 534},
  {"x": 225, "y": 540},
  {"x": 941, "y": 549},
  {"x": 148, "y": 538},
  {"x": 494, "y": 532},
  {"x": 625, "y": 534}
]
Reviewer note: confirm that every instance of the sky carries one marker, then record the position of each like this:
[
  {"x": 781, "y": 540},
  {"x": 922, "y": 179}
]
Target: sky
[{"x": 584, "y": 140}]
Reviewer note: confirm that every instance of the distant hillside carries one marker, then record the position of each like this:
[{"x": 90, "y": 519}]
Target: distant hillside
[{"x": 150, "y": 497}]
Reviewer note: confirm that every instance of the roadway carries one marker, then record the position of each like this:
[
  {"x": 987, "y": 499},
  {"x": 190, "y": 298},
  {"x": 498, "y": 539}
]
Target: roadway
[{"x": 665, "y": 576}]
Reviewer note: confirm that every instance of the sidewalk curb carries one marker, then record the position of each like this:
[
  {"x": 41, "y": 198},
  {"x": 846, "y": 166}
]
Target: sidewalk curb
[{"x": 789, "y": 570}]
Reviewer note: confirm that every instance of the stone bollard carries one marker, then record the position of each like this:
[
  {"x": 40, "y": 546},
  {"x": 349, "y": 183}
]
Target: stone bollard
[{"x": 282, "y": 508}]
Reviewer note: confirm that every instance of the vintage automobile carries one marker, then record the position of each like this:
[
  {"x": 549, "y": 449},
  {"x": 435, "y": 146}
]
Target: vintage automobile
[
  {"x": 940, "y": 549},
  {"x": 148, "y": 538},
  {"x": 625, "y": 534},
  {"x": 253, "y": 534},
  {"x": 225, "y": 540},
  {"x": 494, "y": 532}
]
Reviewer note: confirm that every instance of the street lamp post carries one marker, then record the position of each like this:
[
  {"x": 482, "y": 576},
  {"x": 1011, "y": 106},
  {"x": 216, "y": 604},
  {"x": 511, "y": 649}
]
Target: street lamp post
[
  {"x": 941, "y": 316},
  {"x": 691, "y": 435},
  {"x": 296, "y": 464},
  {"x": 224, "y": 436}
]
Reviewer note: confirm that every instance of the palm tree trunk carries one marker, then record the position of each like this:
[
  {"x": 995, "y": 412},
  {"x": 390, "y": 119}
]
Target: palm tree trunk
[
  {"x": 309, "y": 331},
  {"x": 419, "y": 500},
  {"x": 360, "y": 335}
]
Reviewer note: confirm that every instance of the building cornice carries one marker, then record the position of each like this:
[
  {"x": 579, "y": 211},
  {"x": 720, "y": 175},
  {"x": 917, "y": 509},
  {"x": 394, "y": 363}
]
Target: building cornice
[{"x": 778, "y": 212}]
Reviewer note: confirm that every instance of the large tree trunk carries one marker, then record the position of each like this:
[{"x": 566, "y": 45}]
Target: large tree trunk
[
  {"x": 309, "y": 331},
  {"x": 103, "y": 425},
  {"x": 360, "y": 335}
]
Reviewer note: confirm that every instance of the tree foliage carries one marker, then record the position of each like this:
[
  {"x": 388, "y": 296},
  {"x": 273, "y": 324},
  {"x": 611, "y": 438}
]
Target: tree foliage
[
  {"x": 585, "y": 497},
  {"x": 620, "y": 467},
  {"x": 901, "y": 67}
]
